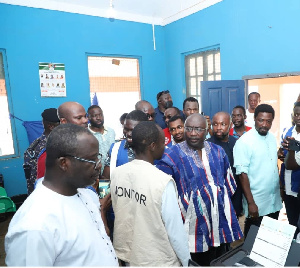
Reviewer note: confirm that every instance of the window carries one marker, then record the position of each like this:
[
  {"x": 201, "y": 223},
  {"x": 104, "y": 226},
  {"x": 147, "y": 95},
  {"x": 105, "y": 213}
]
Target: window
[
  {"x": 202, "y": 66},
  {"x": 6, "y": 137},
  {"x": 116, "y": 83}
]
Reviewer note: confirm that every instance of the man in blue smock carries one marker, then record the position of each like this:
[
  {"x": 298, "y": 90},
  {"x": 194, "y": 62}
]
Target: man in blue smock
[{"x": 255, "y": 160}]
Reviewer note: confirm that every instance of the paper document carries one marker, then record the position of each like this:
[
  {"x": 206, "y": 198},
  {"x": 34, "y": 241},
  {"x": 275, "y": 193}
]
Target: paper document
[{"x": 272, "y": 243}]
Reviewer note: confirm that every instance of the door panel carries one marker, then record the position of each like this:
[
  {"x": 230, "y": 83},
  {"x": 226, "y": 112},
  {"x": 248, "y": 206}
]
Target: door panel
[{"x": 222, "y": 95}]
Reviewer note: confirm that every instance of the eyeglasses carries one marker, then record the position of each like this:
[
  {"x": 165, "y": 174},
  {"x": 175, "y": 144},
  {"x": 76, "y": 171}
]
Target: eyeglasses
[
  {"x": 161, "y": 93},
  {"x": 150, "y": 115},
  {"x": 96, "y": 163},
  {"x": 198, "y": 130}
]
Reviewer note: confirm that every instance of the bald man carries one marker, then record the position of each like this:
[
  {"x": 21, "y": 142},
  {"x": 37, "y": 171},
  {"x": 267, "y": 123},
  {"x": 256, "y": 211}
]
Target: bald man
[
  {"x": 73, "y": 113},
  {"x": 147, "y": 108},
  {"x": 221, "y": 125},
  {"x": 68, "y": 112},
  {"x": 205, "y": 183}
]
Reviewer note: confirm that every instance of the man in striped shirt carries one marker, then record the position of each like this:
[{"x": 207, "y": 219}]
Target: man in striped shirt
[{"x": 205, "y": 184}]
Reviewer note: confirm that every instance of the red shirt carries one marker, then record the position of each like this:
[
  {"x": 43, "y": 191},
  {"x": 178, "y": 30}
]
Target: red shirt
[
  {"x": 41, "y": 165},
  {"x": 167, "y": 135},
  {"x": 233, "y": 133}
]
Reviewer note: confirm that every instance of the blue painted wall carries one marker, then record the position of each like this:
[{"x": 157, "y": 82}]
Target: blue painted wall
[
  {"x": 255, "y": 37},
  {"x": 30, "y": 36}
]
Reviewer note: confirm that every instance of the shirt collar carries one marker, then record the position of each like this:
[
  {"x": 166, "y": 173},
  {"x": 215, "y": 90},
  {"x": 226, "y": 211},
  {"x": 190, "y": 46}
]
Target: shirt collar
[{"x": 104, "y": 132}]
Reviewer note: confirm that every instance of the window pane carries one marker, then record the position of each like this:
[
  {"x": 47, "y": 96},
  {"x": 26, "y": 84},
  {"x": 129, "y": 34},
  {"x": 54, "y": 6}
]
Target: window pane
[
  {"x": 192, "y": 67},
  {"x": 200, "y": 79},
  {"x": 217, "y": 63},
  {"x": 193, "y": 88},
  {"x": 210, "y": 78},
  {"x": 210, "y": 63},
  {"x": 218, "y": 77},
  {"x": 6, "y": 139},
  {"x": 200, "y": 65}
]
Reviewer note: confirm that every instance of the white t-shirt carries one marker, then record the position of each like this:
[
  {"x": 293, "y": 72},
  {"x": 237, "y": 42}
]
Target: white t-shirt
[
  {"x": 249, "y": 121},
  {"x": 50, "y": 229}
]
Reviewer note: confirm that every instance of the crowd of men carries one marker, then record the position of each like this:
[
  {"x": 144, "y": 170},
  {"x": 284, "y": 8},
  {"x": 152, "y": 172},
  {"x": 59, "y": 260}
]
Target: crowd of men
[{"x": 179, "y": 183}]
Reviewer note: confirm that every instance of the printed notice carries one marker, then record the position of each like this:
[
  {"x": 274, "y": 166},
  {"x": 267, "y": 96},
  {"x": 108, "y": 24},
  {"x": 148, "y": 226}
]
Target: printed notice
[
  {"x": 272, "y": 243},
  {"x": 52, "y": 79}
]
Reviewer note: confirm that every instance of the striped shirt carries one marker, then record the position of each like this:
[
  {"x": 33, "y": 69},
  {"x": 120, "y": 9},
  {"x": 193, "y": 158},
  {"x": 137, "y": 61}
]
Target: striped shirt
[{"x": 204, "y": 188}]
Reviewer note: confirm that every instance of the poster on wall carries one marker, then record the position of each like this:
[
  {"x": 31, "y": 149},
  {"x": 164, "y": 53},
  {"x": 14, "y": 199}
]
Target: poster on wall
[{"x": 52, "y": 79}]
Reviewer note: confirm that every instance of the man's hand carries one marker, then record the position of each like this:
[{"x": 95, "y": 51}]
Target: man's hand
[
  {"x": 253, "y": 210},
  {"x": 285, "y": 142}
]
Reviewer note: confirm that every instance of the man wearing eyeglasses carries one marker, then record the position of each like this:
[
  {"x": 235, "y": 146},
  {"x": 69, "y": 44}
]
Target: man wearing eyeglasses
[
  {"x": 68, "y": 112},
  {"x": 60, "y": 223},
  {"x": 205, "y": 184},
  {"x": 146, "y": 108}
]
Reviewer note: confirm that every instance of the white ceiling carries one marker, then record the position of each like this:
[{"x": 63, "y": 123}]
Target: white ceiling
[{"x": 159, "y": 12}]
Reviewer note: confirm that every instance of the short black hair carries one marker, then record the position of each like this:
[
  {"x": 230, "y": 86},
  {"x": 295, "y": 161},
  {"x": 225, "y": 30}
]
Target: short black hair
[
  {"x": 62, "y": 141},
  {"x": 137, "y": 115},
  {"x": 176, "y": 109},
  {"x": 297, "y": 104},
  {"x": 159, "y": 94},
  {"x": 143, "y": 135},
  {"x": 264, "y": 108},
  {"x": 123, "y": 116},
  {"x": 252, "y": 93},
  {"x": 240, "y": 107},
  {"x": 190, "y": 99},
  {"x": 176, "y": 117},
  {"x": 93, "y": 107}
]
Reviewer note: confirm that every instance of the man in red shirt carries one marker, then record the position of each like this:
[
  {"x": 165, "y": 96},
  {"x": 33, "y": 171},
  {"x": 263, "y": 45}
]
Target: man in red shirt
[
  {"x": 238, "y": 117},
  {"x": 168, "y": 114}
]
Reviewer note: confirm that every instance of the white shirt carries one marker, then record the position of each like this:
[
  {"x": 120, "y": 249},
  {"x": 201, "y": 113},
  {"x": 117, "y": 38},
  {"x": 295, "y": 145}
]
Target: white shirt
[
  {"x": 287, "y": 172},
  {"x": 249, "y": 121},
  {"x": 297, "y": 157},
  {"x": 50, "y": 229},
  {"x": 173, "y": 223}
]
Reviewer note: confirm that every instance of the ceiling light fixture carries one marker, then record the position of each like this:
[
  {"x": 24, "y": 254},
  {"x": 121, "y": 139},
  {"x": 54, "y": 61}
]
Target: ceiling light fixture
[{"x": 111, "y": 14}]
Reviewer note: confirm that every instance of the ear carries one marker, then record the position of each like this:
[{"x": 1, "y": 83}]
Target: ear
[
  {"x": 63, "y": 163},
  {"x": 63, "y": 120},
  {"x": 152, "y": 146},
  {"x": 231, "y": 124}
]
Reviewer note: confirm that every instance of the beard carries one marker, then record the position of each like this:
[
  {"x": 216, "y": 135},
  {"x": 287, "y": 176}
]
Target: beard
[{"x": 168, "y": 104}]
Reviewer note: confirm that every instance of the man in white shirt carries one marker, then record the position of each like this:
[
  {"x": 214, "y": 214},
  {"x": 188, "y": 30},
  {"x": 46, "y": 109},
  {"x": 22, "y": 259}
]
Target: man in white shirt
[
  {"x": 253, "y": 100},
  {"x": 60, "y": 224},
  {"x": 148, "y": 227}
]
